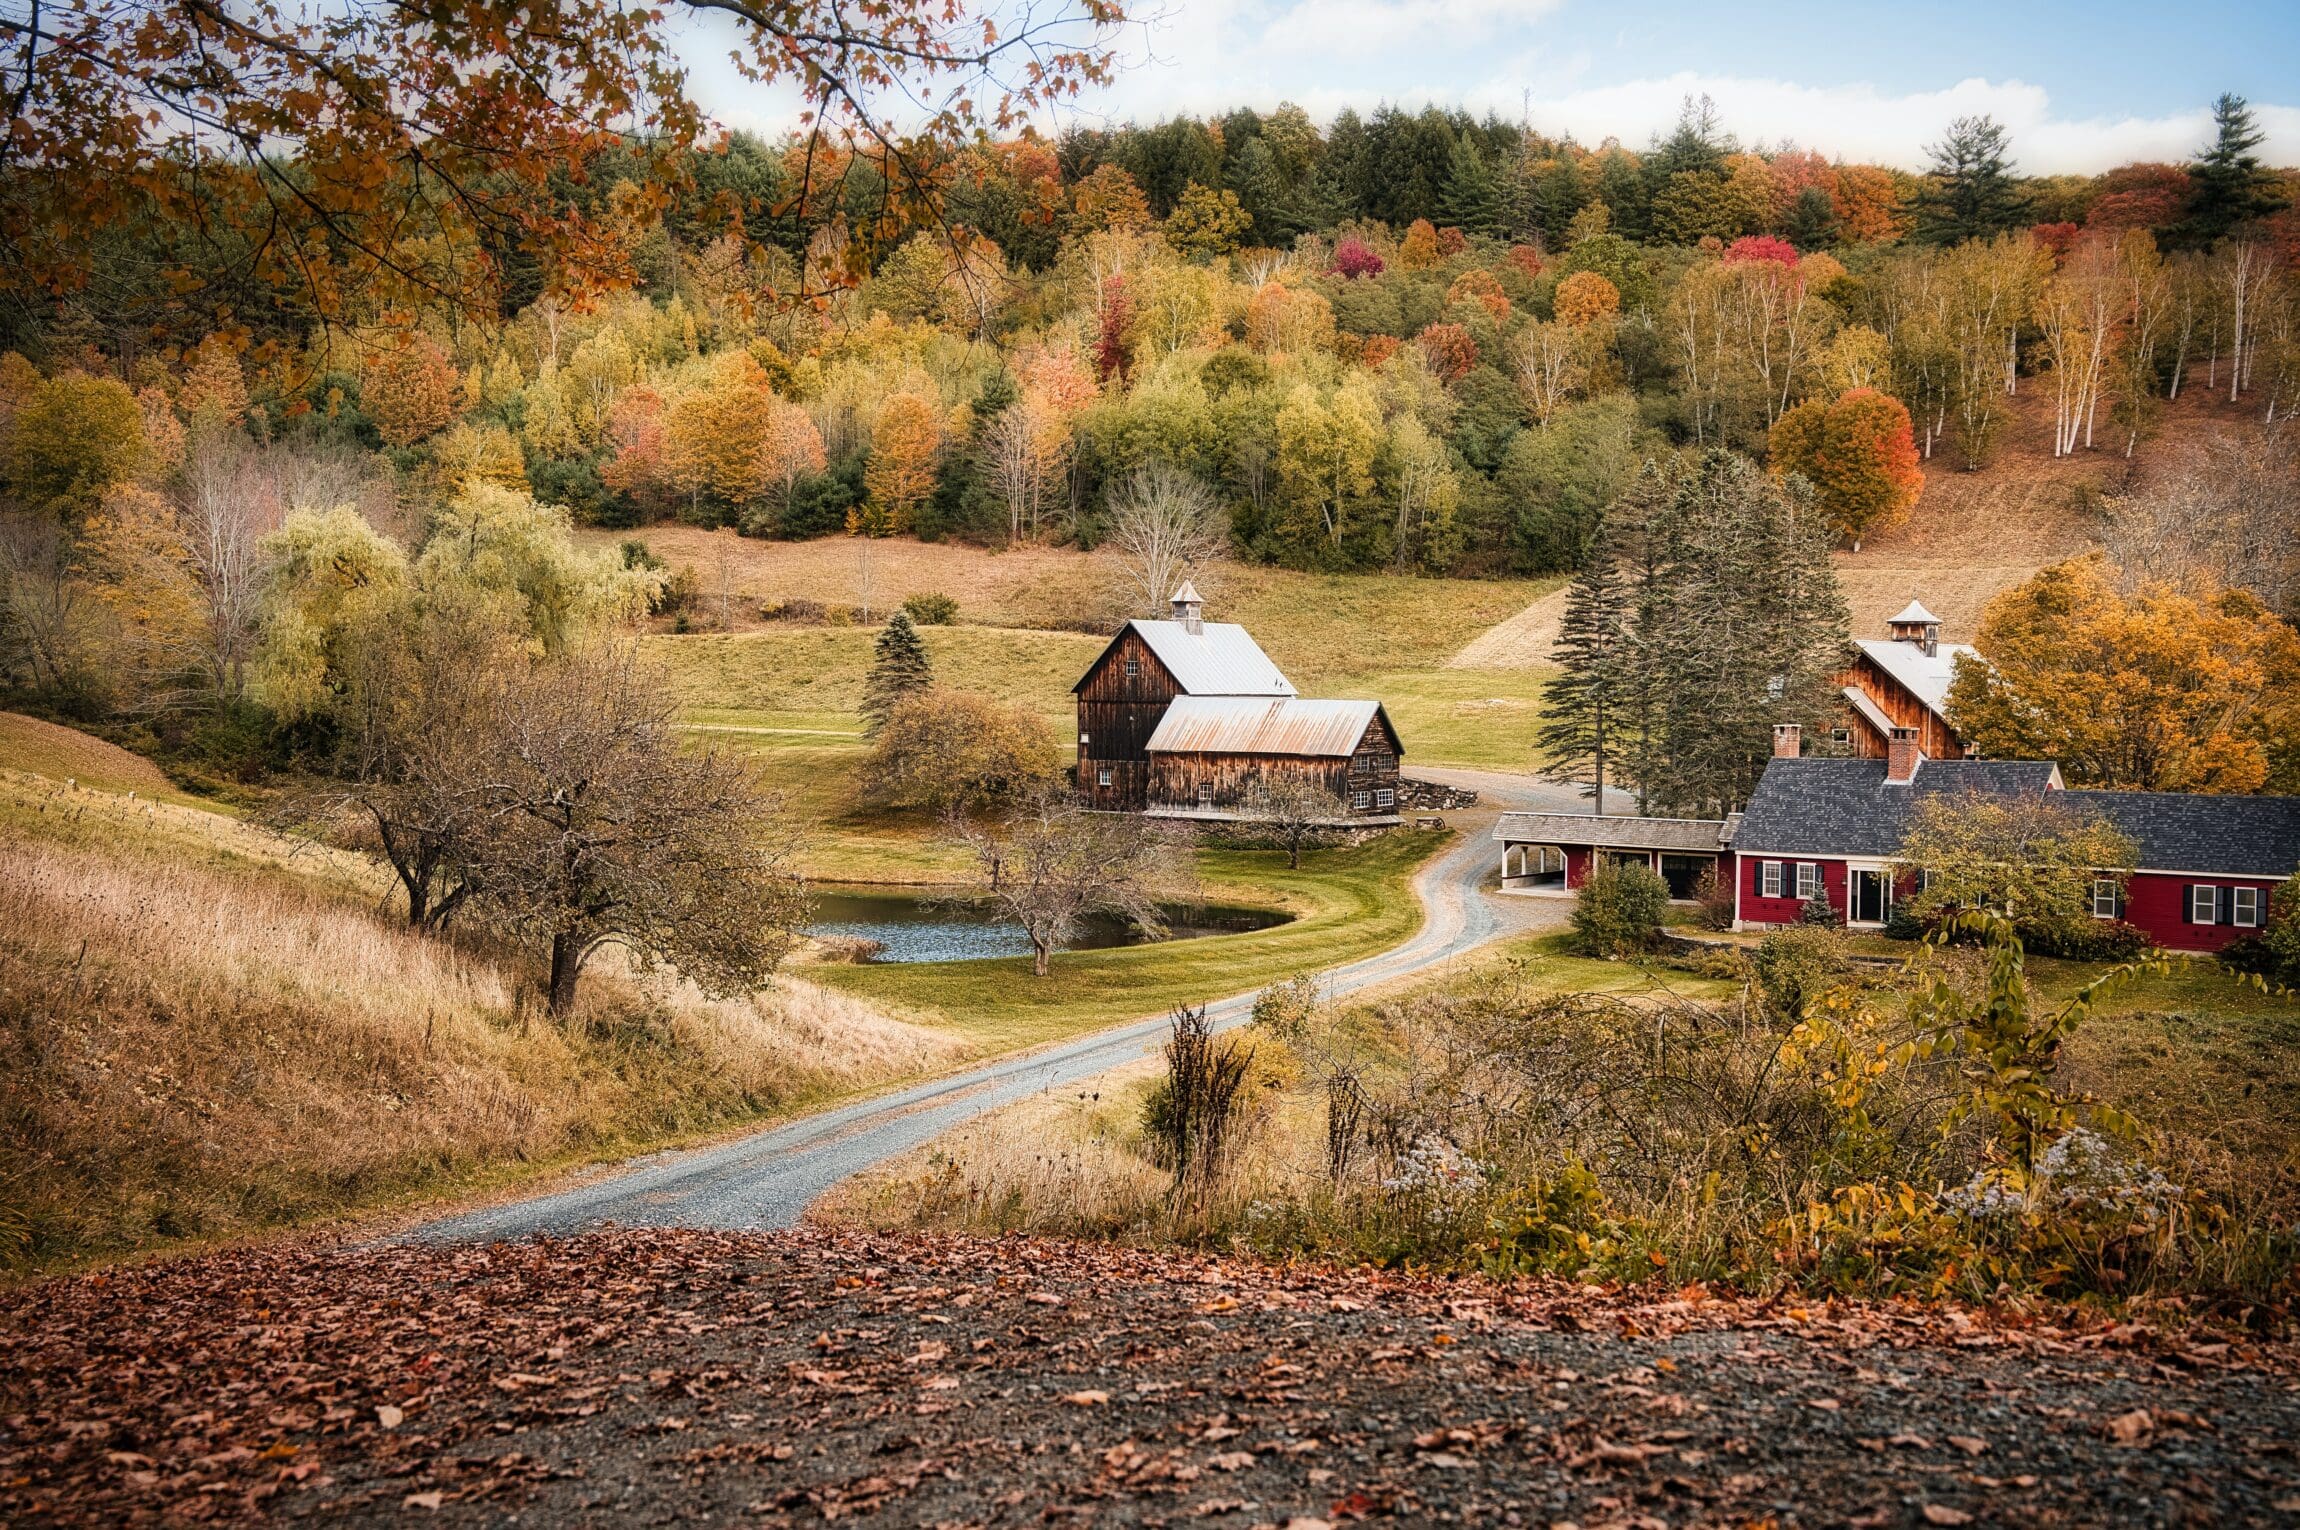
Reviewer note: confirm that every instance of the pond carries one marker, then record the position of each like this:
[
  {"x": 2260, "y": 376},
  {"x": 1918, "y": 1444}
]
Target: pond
[{"x": 926, "y": 929}]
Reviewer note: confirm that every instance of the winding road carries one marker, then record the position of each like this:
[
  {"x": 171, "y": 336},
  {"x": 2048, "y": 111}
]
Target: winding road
[{"x": 768, "y": 1178}]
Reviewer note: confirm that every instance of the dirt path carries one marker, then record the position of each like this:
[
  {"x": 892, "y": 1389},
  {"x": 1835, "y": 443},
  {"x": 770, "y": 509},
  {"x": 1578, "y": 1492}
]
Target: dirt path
[{"x": 662, "y": 1377}]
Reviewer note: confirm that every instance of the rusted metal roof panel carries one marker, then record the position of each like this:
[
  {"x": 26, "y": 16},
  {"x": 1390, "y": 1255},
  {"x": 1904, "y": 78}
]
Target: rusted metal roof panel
[{"x": 1252, "y": 725}]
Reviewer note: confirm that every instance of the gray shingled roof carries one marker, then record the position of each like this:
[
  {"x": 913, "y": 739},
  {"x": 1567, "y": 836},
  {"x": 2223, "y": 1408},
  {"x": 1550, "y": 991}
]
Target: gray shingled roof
[
  {"x": 2176, "y": 831},
  {"x": 1612, "y": 831},
  {"x": 1844, "y": 807}
]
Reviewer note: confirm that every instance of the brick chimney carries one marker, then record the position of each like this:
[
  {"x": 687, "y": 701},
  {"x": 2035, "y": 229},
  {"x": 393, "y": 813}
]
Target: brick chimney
[
  {"x": 1788, "y": 741},
  {"x": 1189, "y": 610},
  {"x": 1902, "y": 757}
]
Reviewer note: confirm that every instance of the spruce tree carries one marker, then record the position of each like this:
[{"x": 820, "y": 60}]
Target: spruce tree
[
  {"x": 1969, "y": 191},
  {"x": 2228, "y": 186},
  {"x": 1472, "y": 198},
  {"x": 899, "y": 668},
  {"x": 1582, "y": 705}
]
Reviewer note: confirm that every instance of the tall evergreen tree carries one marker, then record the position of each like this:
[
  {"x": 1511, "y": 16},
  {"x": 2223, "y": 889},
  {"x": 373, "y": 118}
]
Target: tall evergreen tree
[
  {"x": 2228, "y": 186},
  {"x": 1969, "y": 192},
  {"x": 1473, "y": 196},
  {"x": 899, "y": 668},
  {"x": 1585, "y": 704},
  {"x": 1813, "y": 222}
]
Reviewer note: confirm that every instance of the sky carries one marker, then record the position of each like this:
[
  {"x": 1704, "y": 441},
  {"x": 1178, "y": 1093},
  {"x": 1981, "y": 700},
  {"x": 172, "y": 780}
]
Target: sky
[{"x": 2082, "y": 88}]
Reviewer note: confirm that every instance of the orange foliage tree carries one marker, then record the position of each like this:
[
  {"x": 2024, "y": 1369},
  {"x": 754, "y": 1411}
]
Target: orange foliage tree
[
  {"x": 1860, "y": 455},
  {"x": 1450, "y": 349},
  {"x": 635, "y": 471},
  {"x": 715, "y": 436},
  {"x": 412, "y": 392},
  {"x": 1419, "y": 250},
  {"x": 2154, "y": 690},
  {"x": 901, "y": 472},
  {"x": 1483, "y": 287},
  {"x": 1585, "y": 296}
]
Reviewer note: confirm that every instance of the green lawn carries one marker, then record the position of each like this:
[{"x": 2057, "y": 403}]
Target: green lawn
[
  {"x": 1474, "y": 717},
  {"x": 1348, "y": 903},
  {"x": 813, "y": 676}
]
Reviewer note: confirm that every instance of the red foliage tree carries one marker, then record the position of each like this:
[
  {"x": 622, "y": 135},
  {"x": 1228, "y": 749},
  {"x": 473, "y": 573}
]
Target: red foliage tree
[
  {"x": 1756, "y": 247},
  {"x": 2139, "y": 196},
  {"x": 1378, "y": 349},
  {"x": 1354, "y": 258},
  {"x": 1450, "y": 349},
  {"x": 1480, "y": 285},
  {"x": 1526, "y": 258},
  {"x": 2056, "y": 237},
  {"x": 1451, "y": 242}
]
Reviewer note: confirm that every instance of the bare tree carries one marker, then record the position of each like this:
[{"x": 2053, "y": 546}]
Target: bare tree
[
  {"x": 1294, "y": 811},
  {"x": 2230, "y": 515},
  {"x": 51, "y": 626},
  {"x": 230, "y": 497},
  {"x": 1164, "y": 525},
  {"x": 1053, "y": 864},
  {"x": 601, "y": 827}
]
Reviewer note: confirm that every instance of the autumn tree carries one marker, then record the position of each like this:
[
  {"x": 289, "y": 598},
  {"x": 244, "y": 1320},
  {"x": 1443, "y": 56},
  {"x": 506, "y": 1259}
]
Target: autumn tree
[
  {"x": 1585, "y": 297},
  {"x": 1051, "y": 865},
  {"x": 1107, "y": 200},
  {"x": 2153, "y": 690},
  {"x": 957, "y": 751},
  {"x": 411, "y": 392},
  {"x": 606, "y": 825},
  {"x": 2030, "y": 858},
  {"x": 1165, "y": 524},
  {"x": 1206, "y": 222},
  {"x": 716, "y": 437},
  {"x": 1860, "y": 456},
  {"x": 72, "y": 439},
  {"x": 904, "y": 445},
  {"x": 1418, "y": 251}
]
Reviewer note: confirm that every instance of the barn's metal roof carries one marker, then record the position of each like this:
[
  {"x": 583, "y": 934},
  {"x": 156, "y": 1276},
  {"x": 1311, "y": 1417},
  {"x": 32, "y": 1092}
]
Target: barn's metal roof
[
  {"x": 1927, "y": 675},
  {"x": 1914, "y": 614},
  {"x": 1219, "y": 659},
  {"x": 1252, "y": 725},
  {"x": 1859, "y": 701},
  {"x": 1615, "y": 831}
]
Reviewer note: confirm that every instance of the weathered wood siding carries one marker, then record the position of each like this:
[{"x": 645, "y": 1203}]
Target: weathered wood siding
[
  {"x": 1896, "y": 701},
  {"x": 1228, "y": 782},
  {"x": 1117, "y": 713}
]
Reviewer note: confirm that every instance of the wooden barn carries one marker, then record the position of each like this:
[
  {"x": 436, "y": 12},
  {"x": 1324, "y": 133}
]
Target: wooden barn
[
  {"x": 1189, "y": 718},
  {"x": 1902, "y": 681}
]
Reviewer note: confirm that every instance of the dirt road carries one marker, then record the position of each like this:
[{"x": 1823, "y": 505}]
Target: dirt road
[{"x": 766, "y": 1180}]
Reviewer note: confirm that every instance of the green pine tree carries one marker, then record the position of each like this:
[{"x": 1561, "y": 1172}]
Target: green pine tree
[
  {"x": 1813, "y": 222},
  {"x": 2228, "y": 186},
  {"x": 1472, "y": 197},
  {"x": 1969, "y": 191},
  {"x": 899, "y": 668},
  {"x": 1583, "y": 706}
]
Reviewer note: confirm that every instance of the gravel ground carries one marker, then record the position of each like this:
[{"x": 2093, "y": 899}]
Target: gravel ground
[{"x": 653, "y": 1377}]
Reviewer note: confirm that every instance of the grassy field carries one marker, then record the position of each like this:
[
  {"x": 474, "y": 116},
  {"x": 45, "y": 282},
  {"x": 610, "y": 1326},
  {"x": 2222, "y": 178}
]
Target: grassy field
[
  {"x": 1347, "y": 903},
  {"x": 66, "y": 754}
]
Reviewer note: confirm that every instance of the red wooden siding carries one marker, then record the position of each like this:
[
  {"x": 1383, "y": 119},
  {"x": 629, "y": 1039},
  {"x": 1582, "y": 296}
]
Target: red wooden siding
[{"x": 2158, "y": 903}]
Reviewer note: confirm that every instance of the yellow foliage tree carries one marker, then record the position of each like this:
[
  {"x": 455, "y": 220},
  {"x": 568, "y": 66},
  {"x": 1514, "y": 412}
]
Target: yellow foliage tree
[
  {"x": 1585, "y": 297},
  {"x": 901, "y": 470},
  {"x": 2157, "y": 690},
  {"x": 715, "y": 436}
]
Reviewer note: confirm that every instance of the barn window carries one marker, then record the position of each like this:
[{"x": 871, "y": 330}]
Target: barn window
[
  {"x": 1361, "y": 799},
  {"x": 1205, "y": 794},
  {"x": 1133, "y": 667},
  {"x": 1808, "y": 880},
  {"x": 1769, "y": 879},
  {"x": 1385, "y": 798},
  {"x": 1102, "y": 776},
  {"x": 2203, "y": 905},
  {"x": 2107, "y": 898},
  {"x": 2245, "y": 906},
  {"x": 1840, "y": 736}
]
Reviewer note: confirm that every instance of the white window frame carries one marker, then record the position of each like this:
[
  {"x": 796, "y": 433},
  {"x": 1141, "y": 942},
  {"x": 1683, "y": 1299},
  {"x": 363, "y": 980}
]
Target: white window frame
[
  {"x": 1769, "y": 879},
  {"x": 1102, "y": 777},
  {"x": 1133, "y": 667},
  {"x": 1385, "y": 798},
  {"x": 1205, "y": 794},
  {"x": 2105, "y": 887},
  {"x": 1361, "y": 799},
  {"x": 2206, "y": 896},
  {"x": 2244, "y": 907},
  {"x": 1805, "y": 892}
]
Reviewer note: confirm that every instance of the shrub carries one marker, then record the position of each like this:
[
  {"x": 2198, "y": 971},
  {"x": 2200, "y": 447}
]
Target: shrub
[
  {"x": 1714, "y": 894},
  {"x": 2281, "y": 938},
  {"x": 1192, "y": 1114},
  {"x": 1818, "y": 910},
  {"x": 931, "y": 608},
  {"x": 954, "y": 749},
  {"x": 1795, "y": 965},
  {"x": 2084, "y": 940},
  {"x": 1619, "y": 911}
]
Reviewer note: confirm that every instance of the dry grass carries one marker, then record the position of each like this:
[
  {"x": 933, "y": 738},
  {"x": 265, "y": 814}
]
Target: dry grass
[
  {"x": 51, "y": 749},
  {"x": 198, "y": 1046}
]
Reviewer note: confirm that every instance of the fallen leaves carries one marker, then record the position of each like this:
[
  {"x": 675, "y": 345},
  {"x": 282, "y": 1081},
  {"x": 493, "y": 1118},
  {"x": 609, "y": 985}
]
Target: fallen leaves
[
  {"x": 1086, "y": 1399},
  {"x": 2134, "y": 1428},
  {"x": 390, "y": 1417},
  {"x": 1943, "y": 1514}
]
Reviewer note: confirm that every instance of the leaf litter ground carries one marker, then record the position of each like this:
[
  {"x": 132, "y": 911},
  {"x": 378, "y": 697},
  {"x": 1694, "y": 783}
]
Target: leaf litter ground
[{"x": 658, "y": 1377}]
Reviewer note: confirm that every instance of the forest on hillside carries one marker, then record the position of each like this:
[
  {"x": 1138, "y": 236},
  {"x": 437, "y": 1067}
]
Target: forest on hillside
[{"x": 1411, "y": 341}]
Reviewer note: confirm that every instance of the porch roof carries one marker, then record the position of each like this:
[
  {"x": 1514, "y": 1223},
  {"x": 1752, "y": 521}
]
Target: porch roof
[{"x": 1614, "y": 831}]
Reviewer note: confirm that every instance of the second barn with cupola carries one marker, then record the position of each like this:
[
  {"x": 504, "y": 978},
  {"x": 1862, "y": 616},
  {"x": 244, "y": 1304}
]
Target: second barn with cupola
[{"x": 1189, "y": 718}]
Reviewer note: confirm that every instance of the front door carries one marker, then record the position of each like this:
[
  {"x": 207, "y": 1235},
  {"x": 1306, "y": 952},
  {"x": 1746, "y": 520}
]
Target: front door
[
  {"x": 1872, "y": 896},
  {"x": 1683, "y": 874}
]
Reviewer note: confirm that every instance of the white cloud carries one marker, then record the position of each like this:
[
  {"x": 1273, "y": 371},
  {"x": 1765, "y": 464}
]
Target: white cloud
[{"x": 1206, "y": 56}]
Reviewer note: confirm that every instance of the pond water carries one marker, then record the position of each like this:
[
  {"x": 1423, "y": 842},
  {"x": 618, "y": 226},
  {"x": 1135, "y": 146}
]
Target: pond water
[{"x": 914, "y": 929}]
